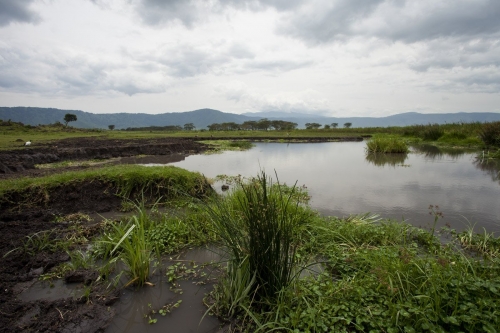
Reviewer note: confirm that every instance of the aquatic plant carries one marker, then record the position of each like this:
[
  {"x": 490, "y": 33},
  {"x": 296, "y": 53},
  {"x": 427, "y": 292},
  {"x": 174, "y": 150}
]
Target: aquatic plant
[
  {"x": 134, "y": 250},
  {"x": 379, "y": 278},
  {"x": 386, "y": 145},
  {"x": 259, "y": 223}
]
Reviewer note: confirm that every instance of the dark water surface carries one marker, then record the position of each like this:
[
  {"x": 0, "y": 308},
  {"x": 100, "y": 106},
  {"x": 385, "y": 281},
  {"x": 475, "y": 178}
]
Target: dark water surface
[
  {"x": 134, "y": 309},
  {"x": 342, "y": 180}
]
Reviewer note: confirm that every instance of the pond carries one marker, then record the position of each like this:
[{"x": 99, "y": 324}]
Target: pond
[{"x": 342, "y": 180}]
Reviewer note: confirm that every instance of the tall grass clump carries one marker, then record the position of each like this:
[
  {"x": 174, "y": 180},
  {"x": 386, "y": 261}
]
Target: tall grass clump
[
  {"x": 258, "y": 224},
  {"x": 490, "y": 134},
  {"x": 387, "y": 145}
]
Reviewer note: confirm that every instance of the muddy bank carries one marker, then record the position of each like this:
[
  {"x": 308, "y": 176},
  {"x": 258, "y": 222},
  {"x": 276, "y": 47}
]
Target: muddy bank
[
  {"x": 24, "y": 159},
  {"x": 58, "y": 213}
]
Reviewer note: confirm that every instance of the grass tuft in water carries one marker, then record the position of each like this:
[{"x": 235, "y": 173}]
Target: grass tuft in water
[
  {"x": 259, "y": 224},
  {"x": 386, "y": 145}
]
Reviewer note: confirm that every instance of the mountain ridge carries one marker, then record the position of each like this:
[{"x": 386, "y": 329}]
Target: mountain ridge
[{"x": 201, "y": 118}]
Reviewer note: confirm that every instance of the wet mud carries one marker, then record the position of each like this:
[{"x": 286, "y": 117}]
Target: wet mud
[
  {"x": 88, "y": 305},
  {"x": 22, "y": 161}
]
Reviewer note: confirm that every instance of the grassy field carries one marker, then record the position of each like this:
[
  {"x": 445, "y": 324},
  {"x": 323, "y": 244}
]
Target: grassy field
[{"x": 472, "y": 135}]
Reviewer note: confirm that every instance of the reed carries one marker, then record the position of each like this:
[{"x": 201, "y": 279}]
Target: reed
[
  {"x": 259, "y": 222},
  {"x": 387, "y": 145}
]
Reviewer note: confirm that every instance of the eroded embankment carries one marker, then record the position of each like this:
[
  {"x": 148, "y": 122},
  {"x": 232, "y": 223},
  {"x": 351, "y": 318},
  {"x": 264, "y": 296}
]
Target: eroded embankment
[
  {"x": 40, "y": 212},
  {"x": 25, "y": 158}
]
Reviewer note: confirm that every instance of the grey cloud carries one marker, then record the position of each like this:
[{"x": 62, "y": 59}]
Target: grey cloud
[
  {"x": 130, "y": 88},
  {"x": 188, "y": 12},
  {"x": 458, "y": 19},
  {"x": 240, "y": 51},
  {"x": 17, "y": 11},
  {"x": 479, "y": 81},
  {"x": 189, "y": 61},
  {"x": 256, "y": 5},
  {"x": 327, "y": 22},
  {"x": 24, "y": 71},
  {"x": 278, "y": 65},
  {"x": 406, "y": 20},
  {"x": 155, "y": 12},
  {"x": 453, "y": 53}
]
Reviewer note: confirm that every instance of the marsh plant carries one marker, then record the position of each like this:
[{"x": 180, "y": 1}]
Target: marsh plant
[
  {"x": 258, "y": 224},
  {"x": 380, "y": 278},
  {"x": 142, "y": 239},
  {"x": 387, "y": 145}
]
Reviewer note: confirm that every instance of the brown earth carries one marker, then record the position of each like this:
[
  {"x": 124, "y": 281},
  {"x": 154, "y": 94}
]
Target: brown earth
[
  {"x": 20, "y": 267},
  {"x": 21, "y": 162}
]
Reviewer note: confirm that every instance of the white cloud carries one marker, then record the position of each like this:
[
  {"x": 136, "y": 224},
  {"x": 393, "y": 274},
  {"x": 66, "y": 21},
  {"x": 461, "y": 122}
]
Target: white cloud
[
  {"x": 306, "y": 101},
  {"x": 342, "y": 57}
]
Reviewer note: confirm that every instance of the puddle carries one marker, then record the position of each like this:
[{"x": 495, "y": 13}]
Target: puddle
[
  {"x": 51, "y": 291},
  {"x": 139, "y": 307}
]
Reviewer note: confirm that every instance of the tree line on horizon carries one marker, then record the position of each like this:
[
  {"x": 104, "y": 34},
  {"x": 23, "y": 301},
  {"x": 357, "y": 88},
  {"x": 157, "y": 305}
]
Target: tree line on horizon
[{"x": 250, "y": 125}]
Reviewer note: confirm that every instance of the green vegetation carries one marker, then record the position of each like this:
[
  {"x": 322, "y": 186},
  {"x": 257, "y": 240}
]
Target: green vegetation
[
  {"x": 472, "y": 135},
  {"x": 124, "y": 180},
  {"x": 258, "y": 224},
  {"x": 490, "y": 134},
  {"x": 223, "y": 145},
  {"x": 386, "y": 145},
  {"x": 68, "y": 117},
  {"x": 378, "y": 275},
  {"x": 369, "y": 274}
]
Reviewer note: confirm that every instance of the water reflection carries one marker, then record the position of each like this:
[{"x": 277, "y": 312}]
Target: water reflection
[
  {"x": 387, "y": 159},
  {"x": 489, "y": 166},
  {"x": 342, "y": 181},
  {"x": 136, "y": 305},
  {"x": 433, "y": 152}
]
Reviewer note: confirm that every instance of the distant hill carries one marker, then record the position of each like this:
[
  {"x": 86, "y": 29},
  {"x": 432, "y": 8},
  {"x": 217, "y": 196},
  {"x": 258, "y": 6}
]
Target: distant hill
[
  {"x": 200, "y": 118},
  {"x": 204, "y": 117},
  {"x": 402, "y": 119}
]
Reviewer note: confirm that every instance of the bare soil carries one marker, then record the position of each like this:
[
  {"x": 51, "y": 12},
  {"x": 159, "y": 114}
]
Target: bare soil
[
  {"x": 22, "y": 161},
  {"x": 20, "y": 269}
]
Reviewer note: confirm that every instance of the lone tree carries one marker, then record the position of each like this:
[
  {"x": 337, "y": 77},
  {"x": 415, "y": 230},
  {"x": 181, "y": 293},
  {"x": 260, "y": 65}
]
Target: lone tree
[
  {"x": 334, "y": 125},
  {"x": 347, "y": 125},
  {"x": 189, "y": 127},
  {"x": 69, "y": 117},
  {"x": 111, "y": 127}
]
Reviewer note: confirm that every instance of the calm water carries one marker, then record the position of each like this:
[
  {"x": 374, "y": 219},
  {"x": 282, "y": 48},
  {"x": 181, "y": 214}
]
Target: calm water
[{"x": 342, "y": 180}]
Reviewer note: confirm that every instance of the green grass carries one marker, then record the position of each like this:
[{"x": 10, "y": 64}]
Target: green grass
[
  {"x": 128, "y": 179},
  {"x": 379, "y": 276},
  {"x": 387, "y": 276},
  {"x": 258, "y": 224},
  {"x": 141, "y": 240},
  {"x": 458, "y": 134},
  {"x": 223, "y": 145},
  {"x": 387, "y": 145}
]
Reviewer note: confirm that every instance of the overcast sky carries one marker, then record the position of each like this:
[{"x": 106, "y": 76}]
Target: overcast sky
[{"x": 329, "y": 57}]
